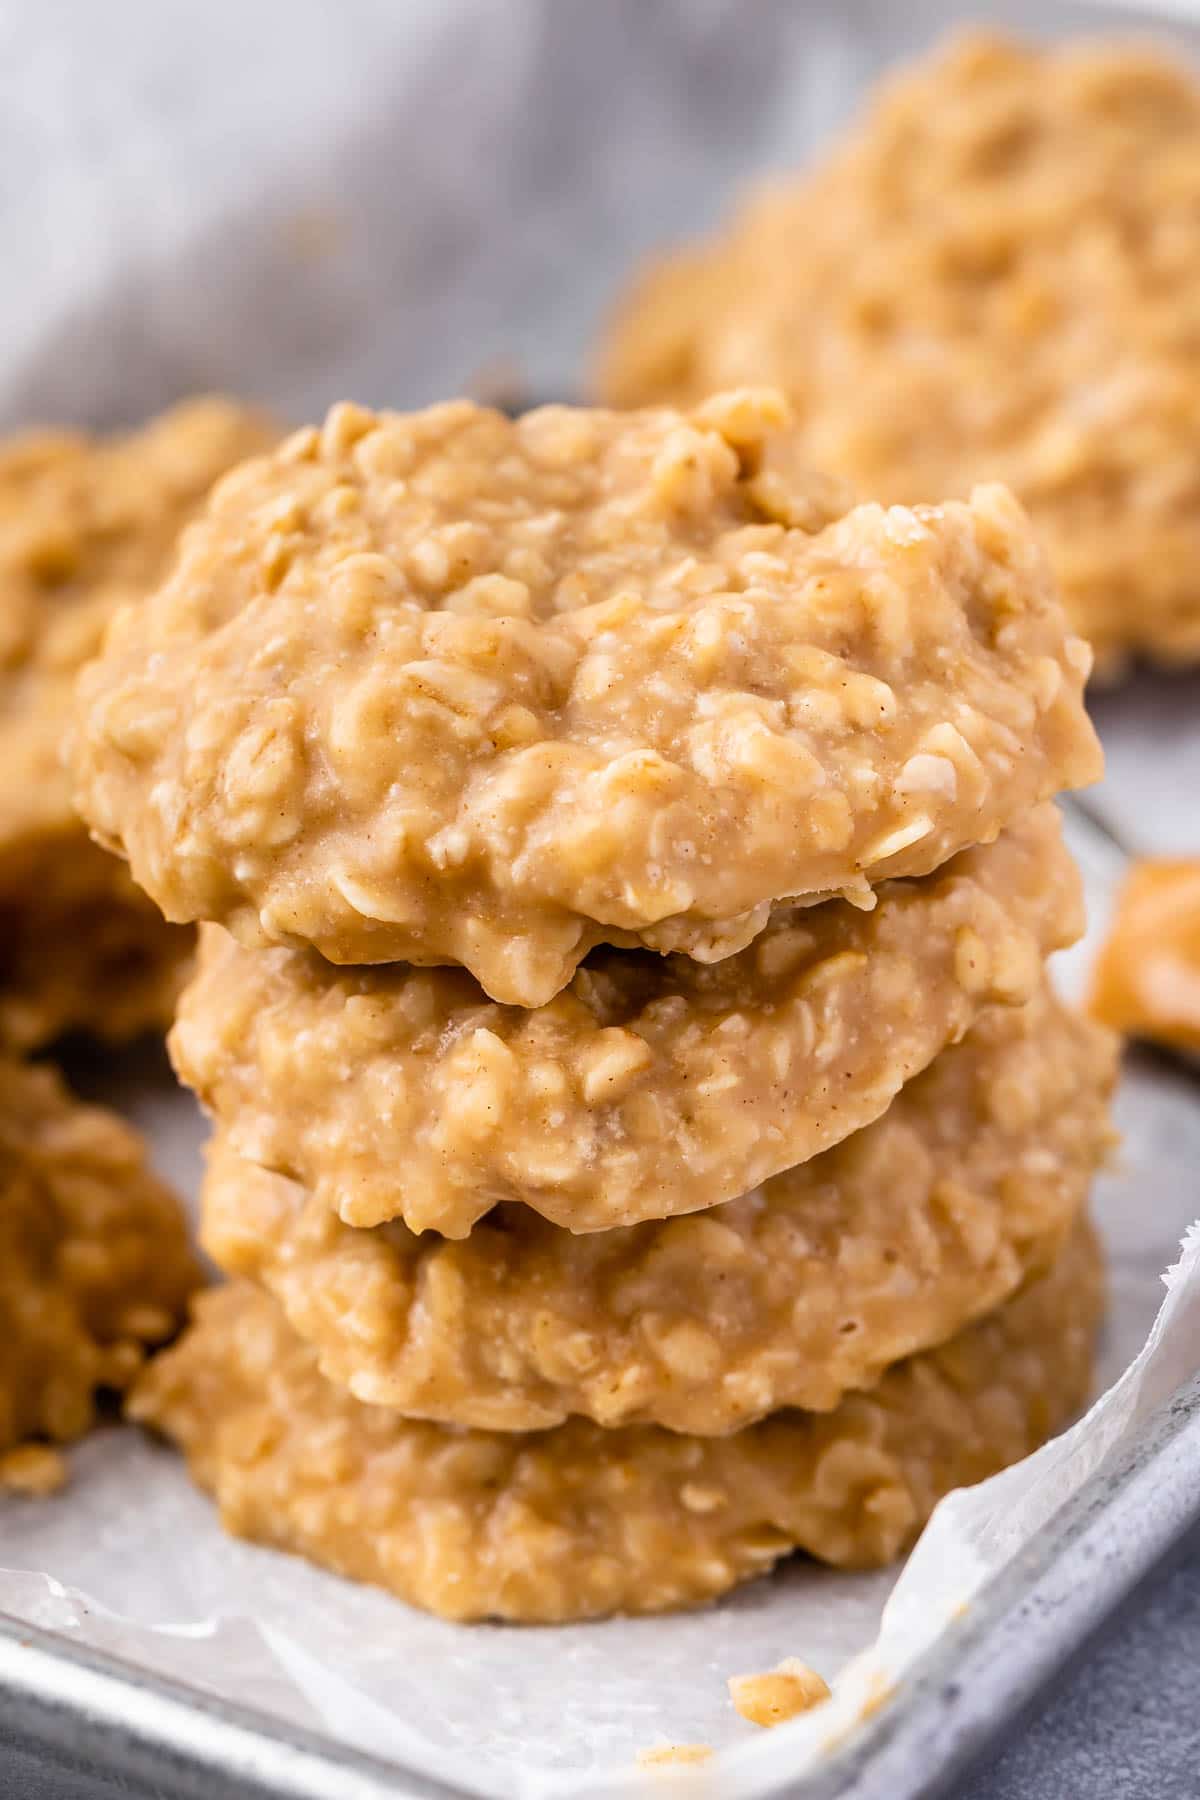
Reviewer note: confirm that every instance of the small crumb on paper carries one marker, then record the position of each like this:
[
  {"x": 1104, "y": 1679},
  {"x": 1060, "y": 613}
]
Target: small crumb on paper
[
  {"x": 34, "y": 1470},
  {"x": 673, "y": 1755},
  {"x": 780, "y": 1694}
]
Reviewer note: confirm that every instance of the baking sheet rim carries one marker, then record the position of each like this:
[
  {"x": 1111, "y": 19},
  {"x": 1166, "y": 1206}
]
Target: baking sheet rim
[{"x": 129, "y": 1723}]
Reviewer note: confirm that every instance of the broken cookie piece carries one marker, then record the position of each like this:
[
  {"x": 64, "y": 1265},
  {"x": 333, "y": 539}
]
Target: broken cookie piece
[
  {"x": 1147, "y": 978},
  {"x": 95, "y": 1265}
]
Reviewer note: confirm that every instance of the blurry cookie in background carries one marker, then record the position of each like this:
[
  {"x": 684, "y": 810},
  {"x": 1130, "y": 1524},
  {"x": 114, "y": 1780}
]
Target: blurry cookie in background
[
  {"x": 1147, "y": 978},
  {"x": 86, "y": 525},
  {"x": 95, "y": 1267},
  {"x": 993, "y": 276}
]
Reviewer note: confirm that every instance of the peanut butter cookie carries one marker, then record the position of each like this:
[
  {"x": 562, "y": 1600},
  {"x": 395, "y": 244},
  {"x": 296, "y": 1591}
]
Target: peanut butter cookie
[
  {"x": 95, "y": 1264},
  {"x": 452, "y": 688},
  {"x": 993, "y": 277},
  {"x": 649, "y": 1086},
  {"x": 86, "y": 525},
  {"x": 794, "y": 1294},
  {"x": 579, "y": 1522}
]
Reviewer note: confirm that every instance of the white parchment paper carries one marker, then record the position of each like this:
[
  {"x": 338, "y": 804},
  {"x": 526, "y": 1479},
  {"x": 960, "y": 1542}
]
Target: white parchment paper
[{"x": 305, "y": 200}]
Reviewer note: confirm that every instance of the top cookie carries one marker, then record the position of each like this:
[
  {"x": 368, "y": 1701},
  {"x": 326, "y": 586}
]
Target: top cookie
[
  {"x": 448, "y": 687},
  {"x": 86, "y": 526},
  {"x": 993, "y": 278}
]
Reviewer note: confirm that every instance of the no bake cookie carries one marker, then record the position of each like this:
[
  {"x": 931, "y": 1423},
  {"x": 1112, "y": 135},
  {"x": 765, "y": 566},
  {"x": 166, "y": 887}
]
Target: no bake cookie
[
  {"x": 452, "y": 688},
  {"x": 86, "y": 525},
  {"x": 789, "y": 1296},
  {"x": 578, "y": 1522},
  {"x": 649, "y": 1086},
  {"x": 992, "y": 277},
  {"x": 95, "y": 1263}
]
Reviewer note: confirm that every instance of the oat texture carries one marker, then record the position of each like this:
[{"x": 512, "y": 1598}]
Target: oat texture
[
  {"x": 808, "y": 1287},
  {"x": 1146, "y": 981},
  {"x": 451, "y": 688},
  {"x": 578, "y": 1522},
  {"x": 95, "y": 1265},
  {"x": 993, "y": 276},
  {"x": 86, "y": 525},
  {"x": 649, "y": 1086}
]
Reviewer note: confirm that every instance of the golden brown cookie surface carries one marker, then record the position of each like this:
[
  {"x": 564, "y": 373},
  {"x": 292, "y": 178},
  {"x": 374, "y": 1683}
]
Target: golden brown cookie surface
[
  {"x": 992, "y": 277},
  {"x": 95, "y": 1264},
  {"x": 790, "y": 1296},
  {"x": 451, "y": 688},
  {"x": 579, "y": 1522},
  {"x": 649, "y": 1086},
  {"x": 86, "y": 525}
]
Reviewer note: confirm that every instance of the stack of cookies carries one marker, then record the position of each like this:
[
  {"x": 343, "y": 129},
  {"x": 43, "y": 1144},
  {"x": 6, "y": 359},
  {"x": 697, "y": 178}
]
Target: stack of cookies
[{"x": 646, "y": 1143}]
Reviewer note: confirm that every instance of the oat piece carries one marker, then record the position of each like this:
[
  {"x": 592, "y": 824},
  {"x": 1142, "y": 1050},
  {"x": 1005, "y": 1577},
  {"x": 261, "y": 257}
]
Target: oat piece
[
  {"x": 808, "y": 1287},
  {"x": 1147, "y": 979},
  {"x": 993, "y": 276},
  {"x": 452, "y": 688},
  {"x": 649, "y": 1086},
  {"x": 579, "y": 1522},
  {"x": 95, "y": 1264},
  {"x": 85, "y": 526},
  {"x": 780, "y": 1694}
]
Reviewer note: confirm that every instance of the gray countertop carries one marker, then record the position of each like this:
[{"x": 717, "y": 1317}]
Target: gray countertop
[{"x": 1124, "y": 1723}]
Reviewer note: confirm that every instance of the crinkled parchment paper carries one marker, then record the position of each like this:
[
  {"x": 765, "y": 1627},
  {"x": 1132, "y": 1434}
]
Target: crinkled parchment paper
[{"x": 301, "y": 201}]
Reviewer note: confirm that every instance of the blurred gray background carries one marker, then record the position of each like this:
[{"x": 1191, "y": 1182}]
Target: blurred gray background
[{"x": 388, "y": 200}]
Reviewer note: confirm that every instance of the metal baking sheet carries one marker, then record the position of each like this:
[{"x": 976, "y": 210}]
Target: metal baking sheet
[
  {"x": 80, "y": 1710},
  {"x": 584, "y": 136}
]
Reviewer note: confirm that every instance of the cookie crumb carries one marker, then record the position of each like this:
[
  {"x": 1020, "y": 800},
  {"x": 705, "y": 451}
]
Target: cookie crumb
[
  {"x": 673, "y": 1755},
  {"x": 34, "y": 1470},
  {"x": 780, "y": 1694}
]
